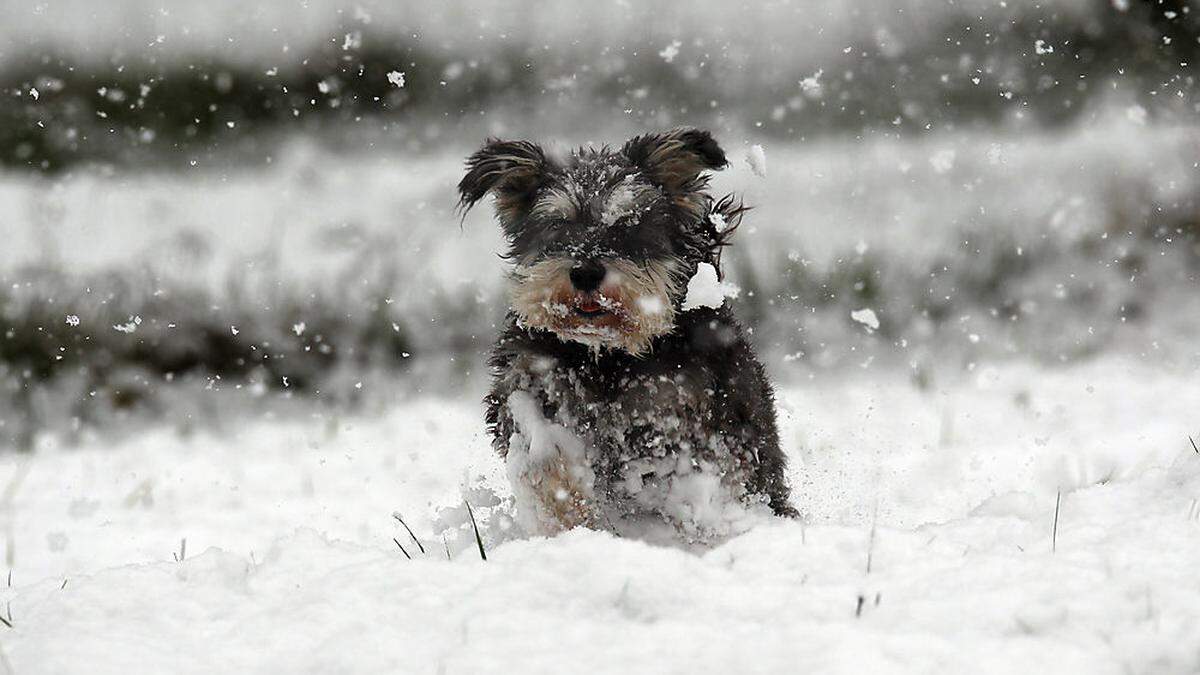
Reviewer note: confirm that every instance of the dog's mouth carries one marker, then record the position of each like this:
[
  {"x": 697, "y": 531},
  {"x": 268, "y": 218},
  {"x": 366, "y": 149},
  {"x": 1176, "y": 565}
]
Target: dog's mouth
[{"x": 589, "y": 308}]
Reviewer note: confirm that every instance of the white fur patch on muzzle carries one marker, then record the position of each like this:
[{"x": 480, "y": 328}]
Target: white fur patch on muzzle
[{"x": 633, "y": 305}]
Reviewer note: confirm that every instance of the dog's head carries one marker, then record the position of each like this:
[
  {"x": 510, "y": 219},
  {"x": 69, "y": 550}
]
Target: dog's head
[{"x": 603, "y": 241}]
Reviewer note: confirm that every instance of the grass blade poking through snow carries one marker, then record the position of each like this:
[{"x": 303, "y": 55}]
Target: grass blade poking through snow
[
  {"x": 1194, "y": 445},
  {"x": 1054, "y": 533},
  {"x": 871, "y": 542},
  {"x": 401, "y": 546},
  {"x": 410, "y": 532},
  {"x": 474, "y": 526}
]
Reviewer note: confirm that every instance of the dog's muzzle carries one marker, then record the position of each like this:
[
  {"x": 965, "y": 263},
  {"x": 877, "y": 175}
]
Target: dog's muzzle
[{"x": 611, "y": 302}]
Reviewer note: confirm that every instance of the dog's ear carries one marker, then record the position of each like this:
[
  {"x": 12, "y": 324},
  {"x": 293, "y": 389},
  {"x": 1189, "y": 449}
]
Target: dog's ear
[
  {"x": 511, "y": 170},
  {"x": 675, "y": 159}
]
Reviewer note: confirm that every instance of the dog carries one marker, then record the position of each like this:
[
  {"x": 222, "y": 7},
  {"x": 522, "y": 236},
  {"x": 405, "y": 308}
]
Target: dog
[{"x": 614, "y": 407}]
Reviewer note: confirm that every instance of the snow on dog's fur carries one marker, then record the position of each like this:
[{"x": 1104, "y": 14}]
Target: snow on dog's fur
[{"x": 613, "y": 407}]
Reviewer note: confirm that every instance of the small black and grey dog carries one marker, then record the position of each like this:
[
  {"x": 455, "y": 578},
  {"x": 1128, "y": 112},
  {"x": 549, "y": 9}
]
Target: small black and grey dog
[{"x": 613, "y": 405}]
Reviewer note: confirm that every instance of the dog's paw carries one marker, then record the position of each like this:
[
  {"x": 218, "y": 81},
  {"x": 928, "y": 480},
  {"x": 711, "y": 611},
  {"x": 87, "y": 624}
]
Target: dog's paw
[
  {"x": 563, "y": 491},
  {"x": 550, "y": 471}
]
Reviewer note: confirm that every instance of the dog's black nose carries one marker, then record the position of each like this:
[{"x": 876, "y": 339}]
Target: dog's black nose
[{"x": 586, "y": 276}]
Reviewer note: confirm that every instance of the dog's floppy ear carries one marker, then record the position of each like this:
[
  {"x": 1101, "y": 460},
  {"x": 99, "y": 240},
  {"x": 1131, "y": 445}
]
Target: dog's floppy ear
[
  {"x": 675, "y": 159},
  {"x": 511, "y": 170}
]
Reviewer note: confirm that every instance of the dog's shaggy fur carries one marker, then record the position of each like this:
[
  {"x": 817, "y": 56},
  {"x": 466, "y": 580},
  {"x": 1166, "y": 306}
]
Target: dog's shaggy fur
[{"x": 612, "y": 406}]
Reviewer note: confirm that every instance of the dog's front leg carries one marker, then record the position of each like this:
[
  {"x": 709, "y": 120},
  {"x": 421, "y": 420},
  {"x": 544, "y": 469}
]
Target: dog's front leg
[{"x": 550, "y": 471}]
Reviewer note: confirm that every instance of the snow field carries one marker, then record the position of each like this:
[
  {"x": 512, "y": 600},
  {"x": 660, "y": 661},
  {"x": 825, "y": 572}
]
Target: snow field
[{"x": 950, "y": 493}]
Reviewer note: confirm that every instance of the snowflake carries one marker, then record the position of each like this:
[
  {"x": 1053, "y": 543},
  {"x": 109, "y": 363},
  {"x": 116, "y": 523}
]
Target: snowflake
[
  {"x": 811, "y": 85},
  {"x": 756, "y": 158},
  {"x": 129, "y": 326},
  {"x": 867, "y": 318},
  {"x": 669, "y": 52}
]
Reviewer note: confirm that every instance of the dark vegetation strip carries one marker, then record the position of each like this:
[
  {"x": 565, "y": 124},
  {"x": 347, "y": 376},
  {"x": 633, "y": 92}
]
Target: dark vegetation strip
[{"x": 136, "y": 110}]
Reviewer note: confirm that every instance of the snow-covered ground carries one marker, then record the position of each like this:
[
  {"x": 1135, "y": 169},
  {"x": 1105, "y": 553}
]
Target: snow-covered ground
[{"x": 927, "y": 544}]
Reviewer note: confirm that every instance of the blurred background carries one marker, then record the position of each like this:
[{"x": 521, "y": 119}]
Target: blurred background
[{"x": 225, "y": 209}]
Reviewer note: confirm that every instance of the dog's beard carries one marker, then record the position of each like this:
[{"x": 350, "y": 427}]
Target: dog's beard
[{"x": 635, "y": 299}]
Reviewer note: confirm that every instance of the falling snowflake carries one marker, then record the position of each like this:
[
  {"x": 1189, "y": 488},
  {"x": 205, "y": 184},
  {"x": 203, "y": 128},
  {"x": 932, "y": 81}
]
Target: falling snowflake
[
  {"x": 72, "y": 320},
  {"x": 867, "y": 318},
  {"x": 669, "y": 52},
  {"x": 757, "y": 159},
  {"x": 396, "y": 77},
  {"x": 129, "y": 326},
  {"x": 811, "y": 85}
]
